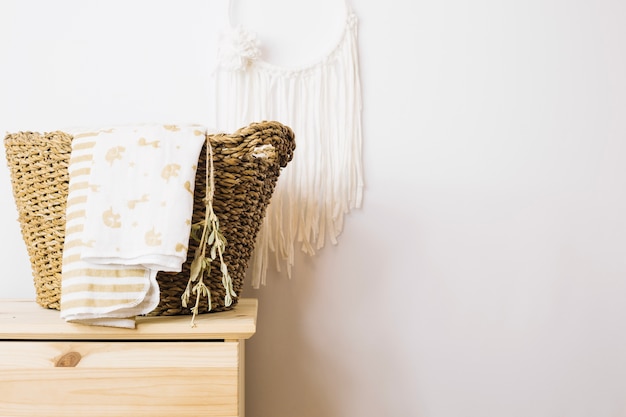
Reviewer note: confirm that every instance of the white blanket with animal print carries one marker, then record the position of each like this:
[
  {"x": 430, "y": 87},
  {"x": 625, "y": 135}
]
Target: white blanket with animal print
[{"x": 128, "y": 217}]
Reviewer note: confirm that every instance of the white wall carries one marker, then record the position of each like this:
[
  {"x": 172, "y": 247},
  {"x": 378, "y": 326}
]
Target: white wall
[{"x": 485, "y": 275}]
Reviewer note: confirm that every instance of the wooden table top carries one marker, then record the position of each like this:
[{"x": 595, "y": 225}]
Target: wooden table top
[{"x": 26, "y": 320}]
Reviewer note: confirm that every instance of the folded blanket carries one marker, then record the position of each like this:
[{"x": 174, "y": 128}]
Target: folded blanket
[{"x": 128, "y": 217}]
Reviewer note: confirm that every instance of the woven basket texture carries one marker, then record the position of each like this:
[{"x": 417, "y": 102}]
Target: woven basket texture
[{"x": 247, "y": 164}]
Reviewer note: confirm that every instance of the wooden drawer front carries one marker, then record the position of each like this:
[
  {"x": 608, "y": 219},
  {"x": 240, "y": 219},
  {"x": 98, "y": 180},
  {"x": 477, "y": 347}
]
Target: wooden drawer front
[{"x": 119, "y": 378}]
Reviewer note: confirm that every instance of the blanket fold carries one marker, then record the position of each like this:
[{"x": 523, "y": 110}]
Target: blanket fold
[{"x": 128, "y": 217}]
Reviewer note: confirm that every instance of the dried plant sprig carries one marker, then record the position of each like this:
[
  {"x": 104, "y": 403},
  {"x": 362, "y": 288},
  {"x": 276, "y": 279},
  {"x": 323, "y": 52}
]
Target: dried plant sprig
[{"x": 211, "y": 236}]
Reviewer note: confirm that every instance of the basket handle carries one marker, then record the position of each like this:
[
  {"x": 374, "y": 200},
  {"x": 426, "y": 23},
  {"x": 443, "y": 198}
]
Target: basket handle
[{"x": 272, "y": 133}]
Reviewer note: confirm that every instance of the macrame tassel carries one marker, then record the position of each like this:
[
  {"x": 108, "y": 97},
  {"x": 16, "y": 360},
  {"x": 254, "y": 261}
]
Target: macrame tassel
[{"x": 322, "y": 104}]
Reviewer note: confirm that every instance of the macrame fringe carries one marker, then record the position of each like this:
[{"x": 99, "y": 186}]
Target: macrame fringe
[{"x": 322, "y": 104}]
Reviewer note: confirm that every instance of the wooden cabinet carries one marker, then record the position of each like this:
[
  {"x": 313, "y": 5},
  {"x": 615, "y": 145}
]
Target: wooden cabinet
[{"x": 163, "y": 368}]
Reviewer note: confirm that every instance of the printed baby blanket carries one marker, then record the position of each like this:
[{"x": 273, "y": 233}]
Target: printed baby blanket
[{"x": 128, "y": 217}]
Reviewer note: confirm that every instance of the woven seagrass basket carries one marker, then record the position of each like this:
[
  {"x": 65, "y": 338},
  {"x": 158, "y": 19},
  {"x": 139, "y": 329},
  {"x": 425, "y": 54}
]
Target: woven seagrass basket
[{"x": 244, "y": 183}]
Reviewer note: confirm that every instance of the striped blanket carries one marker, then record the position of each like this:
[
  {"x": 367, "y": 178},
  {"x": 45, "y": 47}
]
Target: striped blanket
[{"x": 128, "y": 217}]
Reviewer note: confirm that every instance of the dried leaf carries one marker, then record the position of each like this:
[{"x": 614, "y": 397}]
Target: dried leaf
[{"x": 196, "y": 268}]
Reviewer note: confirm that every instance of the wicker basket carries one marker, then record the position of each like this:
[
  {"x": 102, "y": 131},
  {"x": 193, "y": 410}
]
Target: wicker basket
[{"x": 244, "y": 184}]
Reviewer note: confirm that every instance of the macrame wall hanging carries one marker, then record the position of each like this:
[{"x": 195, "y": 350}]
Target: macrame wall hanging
[{"x": 322, "y": 104}]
